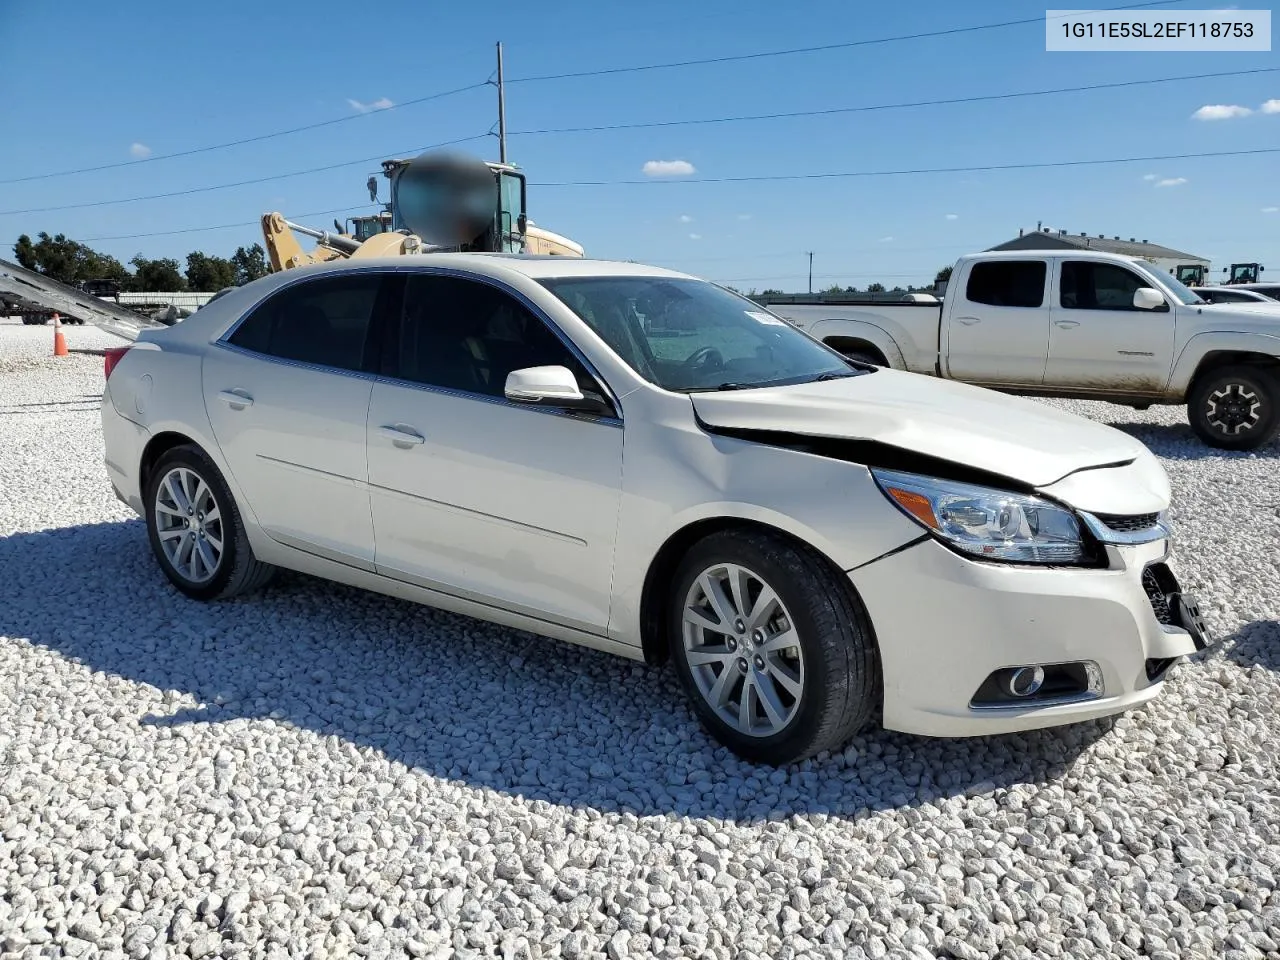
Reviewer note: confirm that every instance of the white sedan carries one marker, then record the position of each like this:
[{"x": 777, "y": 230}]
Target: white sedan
[{"x": 646, "y": 463}]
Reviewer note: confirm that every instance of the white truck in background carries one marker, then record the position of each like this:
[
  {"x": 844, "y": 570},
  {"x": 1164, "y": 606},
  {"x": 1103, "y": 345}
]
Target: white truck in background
[{"x": 1094, "y": 326}]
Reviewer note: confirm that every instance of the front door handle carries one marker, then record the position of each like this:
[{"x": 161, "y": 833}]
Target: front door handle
[
  {"x": 402, "y": 436},
  {"x": 238, "y": 399},
  {"x": 968, "y": 321},
  {"x": 1066, "y": 324}
]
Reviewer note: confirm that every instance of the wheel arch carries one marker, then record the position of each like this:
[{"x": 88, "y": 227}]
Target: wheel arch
[
  {"x": 847, "y": 345},
  {"x": 160, "y": 444},
  {"x": 655, "y": 639},
  {"x": 1206, "y": 351},
  {"x": 1217, "y": 359}
]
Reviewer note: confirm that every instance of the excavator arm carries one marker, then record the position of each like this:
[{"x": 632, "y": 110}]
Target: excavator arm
[{"x": 285, "y": 252}]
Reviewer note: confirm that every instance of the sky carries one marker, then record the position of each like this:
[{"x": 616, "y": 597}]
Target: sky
[{"x": 139, "y": 80}]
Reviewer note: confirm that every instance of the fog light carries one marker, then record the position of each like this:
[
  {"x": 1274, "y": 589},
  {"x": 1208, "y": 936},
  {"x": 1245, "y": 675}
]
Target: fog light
[{"x": 1026, "y": 681}]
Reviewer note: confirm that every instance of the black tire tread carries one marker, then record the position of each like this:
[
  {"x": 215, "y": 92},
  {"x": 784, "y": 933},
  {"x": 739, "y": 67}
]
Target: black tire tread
[
  {"x": 247, "y": 572},
  {"x": 843, "y": 632},
  {"x": 1267, "y": 380}
]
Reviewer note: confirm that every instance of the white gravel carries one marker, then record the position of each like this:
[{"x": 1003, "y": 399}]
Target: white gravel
[{"x": 321, "y": 772}]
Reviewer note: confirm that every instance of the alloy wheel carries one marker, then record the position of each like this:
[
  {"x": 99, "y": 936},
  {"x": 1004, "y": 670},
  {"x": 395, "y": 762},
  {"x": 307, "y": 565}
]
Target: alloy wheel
[
  {"x": 1233, "y": 407},
  {"x": 743, "y": 650},
  {"x": 189, "y": 524}
]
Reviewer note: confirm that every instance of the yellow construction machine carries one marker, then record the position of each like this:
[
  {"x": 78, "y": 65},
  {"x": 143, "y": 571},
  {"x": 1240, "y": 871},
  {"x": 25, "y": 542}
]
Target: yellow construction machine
[{"x": 439, "y": 202}]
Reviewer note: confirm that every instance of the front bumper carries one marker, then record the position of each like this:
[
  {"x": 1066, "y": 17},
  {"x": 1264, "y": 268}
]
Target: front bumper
[{"x": 945, "y": 623}]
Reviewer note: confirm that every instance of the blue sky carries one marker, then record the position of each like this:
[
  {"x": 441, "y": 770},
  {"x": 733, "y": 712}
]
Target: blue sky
[{"x": 163, "y": 77}]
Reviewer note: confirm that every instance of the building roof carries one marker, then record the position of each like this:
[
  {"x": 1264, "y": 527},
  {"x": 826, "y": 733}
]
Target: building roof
[{"x": 1062, "y": 240}]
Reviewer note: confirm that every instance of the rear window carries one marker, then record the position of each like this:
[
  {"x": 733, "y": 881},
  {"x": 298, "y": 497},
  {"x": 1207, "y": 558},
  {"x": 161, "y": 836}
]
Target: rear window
[{"x": 1007, "y": 283}]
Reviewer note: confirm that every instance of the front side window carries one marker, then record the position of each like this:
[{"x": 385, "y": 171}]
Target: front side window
[
  {"x": 1088, "y": 285},
  {"x": 687, "y": 335},
  {"x": 325, "y": 321},
  {"x": 465, "y": 335}
]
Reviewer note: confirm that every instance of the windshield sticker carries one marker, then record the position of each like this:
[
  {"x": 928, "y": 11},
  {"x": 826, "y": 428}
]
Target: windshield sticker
[{"x": 764, "y": 318}]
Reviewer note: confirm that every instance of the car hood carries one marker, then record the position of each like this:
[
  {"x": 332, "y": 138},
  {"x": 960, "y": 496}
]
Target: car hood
[
  {"x": 1253, "y": 313},
  {"x": 1026, "y": 441}
]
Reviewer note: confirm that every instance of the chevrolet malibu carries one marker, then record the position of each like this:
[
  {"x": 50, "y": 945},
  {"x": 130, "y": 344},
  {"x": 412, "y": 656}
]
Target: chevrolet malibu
[{"x": 646, "y": 463}]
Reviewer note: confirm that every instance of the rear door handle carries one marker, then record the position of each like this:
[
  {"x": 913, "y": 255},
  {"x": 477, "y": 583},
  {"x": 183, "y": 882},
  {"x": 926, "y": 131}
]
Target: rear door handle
[
  {"x": 402, "y": 436},
  {"x": 1066, "y": 324},
  {"x": 238, "y": 399},
  {"x": 968, "y": 321}
]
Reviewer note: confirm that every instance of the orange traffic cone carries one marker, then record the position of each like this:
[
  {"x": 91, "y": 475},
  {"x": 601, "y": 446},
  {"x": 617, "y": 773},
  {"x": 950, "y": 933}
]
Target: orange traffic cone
[{"x": 59, "y": 341}]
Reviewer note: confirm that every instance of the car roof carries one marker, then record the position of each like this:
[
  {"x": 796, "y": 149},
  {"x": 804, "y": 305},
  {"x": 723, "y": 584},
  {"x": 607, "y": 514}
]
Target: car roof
[{"x": 499, "y": 265}]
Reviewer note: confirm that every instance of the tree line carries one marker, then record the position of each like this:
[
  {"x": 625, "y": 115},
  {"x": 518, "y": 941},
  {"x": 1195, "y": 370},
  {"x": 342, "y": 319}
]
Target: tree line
[{"x": 71, "y": 262}]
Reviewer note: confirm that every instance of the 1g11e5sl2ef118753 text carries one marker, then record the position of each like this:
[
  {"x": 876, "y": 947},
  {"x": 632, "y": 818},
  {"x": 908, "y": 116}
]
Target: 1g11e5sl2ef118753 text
[{"x": 1205, "y": 30}]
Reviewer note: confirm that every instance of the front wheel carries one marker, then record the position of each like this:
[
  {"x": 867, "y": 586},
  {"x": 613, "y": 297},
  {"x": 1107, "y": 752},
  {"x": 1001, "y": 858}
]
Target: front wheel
[
  {"x": 1235, "y": 407},
  {"x": 195, "y": 529},
  {"x": 776, "y": 654}
]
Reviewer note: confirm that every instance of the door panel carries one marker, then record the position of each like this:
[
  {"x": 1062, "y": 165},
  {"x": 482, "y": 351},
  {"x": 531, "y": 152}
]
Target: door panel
[
  {"x": 1098, "y": 340},
  {"x": 479, "y": 495},
  {"x": 998, "y": 327},
  {"x": 496, "y": 502},
  {"x": 288, "y": 398},
  {"x": 297, "y": 451}
]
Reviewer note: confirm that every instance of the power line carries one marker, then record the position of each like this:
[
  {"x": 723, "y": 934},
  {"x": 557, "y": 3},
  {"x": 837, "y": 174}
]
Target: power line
[
  {"x": 244, "y": 140},
  {"x": 912, "y": 172},
  {"x": 239, "y": 183},
  {"x": 219, "y": 226},
  {"x": 848, "y": 44},
  {"x": 886, "y": 106}
]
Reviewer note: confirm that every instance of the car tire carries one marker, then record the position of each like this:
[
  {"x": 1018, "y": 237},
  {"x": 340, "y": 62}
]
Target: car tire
[
  {"x": 1235, "y": 407},
  {"x": 186, "y": 478},
  {"x": 812, "y": 695}
]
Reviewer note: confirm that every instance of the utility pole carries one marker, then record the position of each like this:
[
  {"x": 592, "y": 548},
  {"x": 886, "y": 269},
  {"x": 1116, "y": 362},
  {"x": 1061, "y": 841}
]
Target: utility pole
[
  {"x": 811, "y": 271},
  {"x": 502, "y": 111}
]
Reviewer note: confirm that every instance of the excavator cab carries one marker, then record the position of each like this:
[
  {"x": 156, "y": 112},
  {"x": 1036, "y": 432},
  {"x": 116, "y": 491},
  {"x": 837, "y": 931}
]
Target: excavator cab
[
  {"x": 1190, "y": 274},
  {"x": 362, "y": 228},
  {"x": 1243, "y": 272},
  {"x": 460, "y": 204}
]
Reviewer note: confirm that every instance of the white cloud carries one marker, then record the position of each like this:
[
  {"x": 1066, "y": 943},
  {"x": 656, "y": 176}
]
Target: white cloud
[
  {"x": 668, "y": 168},
  {"x": 1271, "y": 209},
  {"x": 885, "y": 240},
  {"x": 382, "y": 103},
  {"x": 1171, "y": 182},
  {"x": 1220, "y": 111},
  {"x": 685, "y": 218},
  {"x": 953, "y": 216},
  {"x": 744, "y": 216},
  {"x": 139, "y": 150},
  {"x": 695, "y": 236},
  {"x": 1271, "y": 106},
  {"x": 1151, "y": 176}
]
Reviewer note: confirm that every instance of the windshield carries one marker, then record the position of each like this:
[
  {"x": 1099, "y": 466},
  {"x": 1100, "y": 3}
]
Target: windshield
[
  {"x": 1185, "y": 294},
  {"x": 688, "y": 335}
]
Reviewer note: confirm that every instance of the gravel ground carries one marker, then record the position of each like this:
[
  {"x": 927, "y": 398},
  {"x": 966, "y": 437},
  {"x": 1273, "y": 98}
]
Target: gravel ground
[{"x": 321, "y": 772}]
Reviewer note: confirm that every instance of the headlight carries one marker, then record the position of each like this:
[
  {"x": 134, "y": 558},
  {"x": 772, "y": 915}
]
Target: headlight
[{"x": 986, "y": 522}]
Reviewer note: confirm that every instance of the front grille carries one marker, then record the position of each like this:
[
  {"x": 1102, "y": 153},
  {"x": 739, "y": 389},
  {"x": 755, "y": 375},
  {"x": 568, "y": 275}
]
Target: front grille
[
  {"x": 1129, "y": 523},
  {"x": 1159, "y": 602}
]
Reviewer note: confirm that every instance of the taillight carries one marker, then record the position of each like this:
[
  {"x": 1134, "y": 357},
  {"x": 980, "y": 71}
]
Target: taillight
[{"x": 110, "y": 357}]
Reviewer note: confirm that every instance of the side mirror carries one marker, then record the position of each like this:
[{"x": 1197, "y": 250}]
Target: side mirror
[
  {"x": 554, "y": 386},
  {"x": 1147, "y": 298}
]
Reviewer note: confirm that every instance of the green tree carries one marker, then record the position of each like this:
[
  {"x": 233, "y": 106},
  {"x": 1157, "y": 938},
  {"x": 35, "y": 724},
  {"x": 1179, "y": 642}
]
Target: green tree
[
  {"x": 209, "y": 274},
  {"x": 834, "y": 288},
  {"x": 942, "y": 276},
  {"x": 250, "y": 263},
  {"x": 899, "y": 289},
  {"x": 875, "y": 288},
  {"x": 156, "y": 276},
  {"x": 66, "y": 260}
]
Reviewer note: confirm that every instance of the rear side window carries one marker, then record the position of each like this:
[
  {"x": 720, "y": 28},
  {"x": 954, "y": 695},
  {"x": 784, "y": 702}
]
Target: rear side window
[
  {"x": 1007, "y": 283},
  {"x": 324, "y": 321}
]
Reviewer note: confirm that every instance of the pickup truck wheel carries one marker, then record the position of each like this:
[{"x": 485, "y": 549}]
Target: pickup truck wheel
[
  {"x": 777, "y": 656},
  {"x": 1235, "y": 407}
]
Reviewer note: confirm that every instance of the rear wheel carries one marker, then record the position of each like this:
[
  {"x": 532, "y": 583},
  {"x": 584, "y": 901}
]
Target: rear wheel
[
  {"x": 1235, "y": 407},
  {"x": 195, "y": 529},
  {"x": 774, "y": 651}
]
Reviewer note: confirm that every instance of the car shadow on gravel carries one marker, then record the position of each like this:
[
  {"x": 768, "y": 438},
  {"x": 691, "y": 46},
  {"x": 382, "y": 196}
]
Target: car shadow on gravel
[
  {"x": 1256, "y": 644},
  {"x": 450, "y": 697}
]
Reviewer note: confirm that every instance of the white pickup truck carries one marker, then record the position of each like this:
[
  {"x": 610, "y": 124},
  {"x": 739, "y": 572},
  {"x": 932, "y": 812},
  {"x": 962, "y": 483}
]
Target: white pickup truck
[{"x": 1073, "y": 324}]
